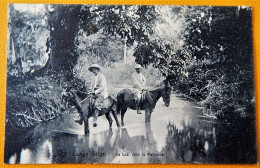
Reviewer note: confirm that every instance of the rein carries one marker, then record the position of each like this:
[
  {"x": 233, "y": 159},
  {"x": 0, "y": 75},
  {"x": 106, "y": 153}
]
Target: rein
[
  {"x": 90, "y": 97},
  {"x": 85, "y": 99},
  {"x": 159, "y": 92},
  {"x": 91, "y": 103}
]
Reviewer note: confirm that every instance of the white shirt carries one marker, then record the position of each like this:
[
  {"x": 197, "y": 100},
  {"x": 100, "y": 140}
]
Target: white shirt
[
  {"x": 99, "y": 85},
  {"x": 138, "y": 80}
]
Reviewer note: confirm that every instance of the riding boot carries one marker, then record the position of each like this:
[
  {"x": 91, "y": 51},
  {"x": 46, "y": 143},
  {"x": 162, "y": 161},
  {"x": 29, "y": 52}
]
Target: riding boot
[{"x": 138, "y": 107}]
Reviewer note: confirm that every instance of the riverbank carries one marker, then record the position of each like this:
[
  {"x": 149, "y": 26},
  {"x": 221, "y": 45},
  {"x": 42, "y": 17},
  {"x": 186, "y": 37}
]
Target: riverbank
[{"x": 31, "y": 102}]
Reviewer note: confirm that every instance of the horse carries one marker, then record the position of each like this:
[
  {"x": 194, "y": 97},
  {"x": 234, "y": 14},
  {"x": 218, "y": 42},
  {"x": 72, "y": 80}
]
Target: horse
[
  {"x": 86, "y": 109},
  {"x": 125, "y": 100}
]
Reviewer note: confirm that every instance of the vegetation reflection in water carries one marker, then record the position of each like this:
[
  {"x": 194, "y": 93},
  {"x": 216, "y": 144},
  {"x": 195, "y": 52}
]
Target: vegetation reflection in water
[{"x": 118, "y": 146}]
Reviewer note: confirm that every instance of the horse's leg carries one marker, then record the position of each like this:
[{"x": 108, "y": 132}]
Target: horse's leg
[
  {"x": 109, "y": 119},
  {"x": 147, "y": 116},
  {"x": 95, "y": 116},
  {"x": 86, "y": 125},
  {"x": 114, "y": 112},
  {"x": 123, "y": 110}
]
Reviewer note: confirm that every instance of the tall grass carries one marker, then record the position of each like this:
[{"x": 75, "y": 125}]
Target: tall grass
[{"x": 119, "y": 73}]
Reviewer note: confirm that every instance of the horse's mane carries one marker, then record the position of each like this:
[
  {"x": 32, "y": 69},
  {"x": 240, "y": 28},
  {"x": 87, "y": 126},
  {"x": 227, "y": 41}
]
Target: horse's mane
[
  {"x": 156, "y": 93},
  {"x": 148, "y": 97},
  {"x": 82, "y": 104}
]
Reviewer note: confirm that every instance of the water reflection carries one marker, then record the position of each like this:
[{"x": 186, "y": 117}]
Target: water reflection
[
  {"x": 190, "y": 145},
  {"x": 117, "y": 146},
  {"x": 112, "y": 146},
  {"x": 27, "y": 155}
]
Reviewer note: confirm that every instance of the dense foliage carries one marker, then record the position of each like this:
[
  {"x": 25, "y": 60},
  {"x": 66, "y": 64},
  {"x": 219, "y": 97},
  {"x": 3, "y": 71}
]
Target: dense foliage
[
  {"x": 220, "y": 66},
  {"x": 214, "y": 66},
  {"x": 30, "y": 103}
]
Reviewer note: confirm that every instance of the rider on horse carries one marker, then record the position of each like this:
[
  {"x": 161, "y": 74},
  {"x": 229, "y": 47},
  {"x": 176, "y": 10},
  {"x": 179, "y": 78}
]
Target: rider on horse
[
  {"x": 139, "y": 82},
  {"x": 98, "y": 90}
]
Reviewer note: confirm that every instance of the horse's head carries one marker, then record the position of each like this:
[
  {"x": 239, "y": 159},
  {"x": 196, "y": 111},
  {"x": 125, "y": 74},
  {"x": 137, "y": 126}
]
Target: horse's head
[
  {"x": 166, "y": 94},
  {"x": 69, "y": 95}
]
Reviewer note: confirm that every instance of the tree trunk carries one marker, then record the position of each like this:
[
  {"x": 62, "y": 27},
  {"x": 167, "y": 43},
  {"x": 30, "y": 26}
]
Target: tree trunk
[{"x": 17, "y": 57}]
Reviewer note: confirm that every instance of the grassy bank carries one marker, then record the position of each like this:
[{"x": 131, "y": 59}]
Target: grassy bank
[{"x": 30, "y": 102}]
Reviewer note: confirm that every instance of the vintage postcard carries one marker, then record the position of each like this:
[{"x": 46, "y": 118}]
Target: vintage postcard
[{"x": 130, "y": 84}]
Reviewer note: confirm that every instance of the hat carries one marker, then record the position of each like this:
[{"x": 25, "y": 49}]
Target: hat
[
  {"x": 138, "y": 66},
  {"x": 93, "y": 66}
]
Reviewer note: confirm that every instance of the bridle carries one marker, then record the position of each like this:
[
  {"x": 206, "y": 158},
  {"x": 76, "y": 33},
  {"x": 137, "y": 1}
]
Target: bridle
[
  {"x": 165, "y": 92},
  {"x": 72, "y": 97}
]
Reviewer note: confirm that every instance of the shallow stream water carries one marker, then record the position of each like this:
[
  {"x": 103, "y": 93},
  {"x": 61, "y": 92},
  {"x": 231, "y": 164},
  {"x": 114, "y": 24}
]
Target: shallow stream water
[{"x": 177, "y": 134}]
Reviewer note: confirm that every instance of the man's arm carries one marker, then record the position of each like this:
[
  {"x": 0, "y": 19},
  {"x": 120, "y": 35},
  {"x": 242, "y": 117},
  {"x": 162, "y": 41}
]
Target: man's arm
[
  {"x": 102, "y": 85},
  {"x": 144, "y": 80},
  {"x": 91, "y": 89}
]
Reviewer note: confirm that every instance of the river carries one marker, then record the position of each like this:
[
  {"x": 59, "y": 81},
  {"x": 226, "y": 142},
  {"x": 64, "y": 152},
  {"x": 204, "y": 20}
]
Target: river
[{"x": 177, "y": 134}]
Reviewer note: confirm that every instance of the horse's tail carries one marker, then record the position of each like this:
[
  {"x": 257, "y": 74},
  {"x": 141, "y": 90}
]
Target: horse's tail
[
  {"x": 120, "y": 98},
  {"x": 115, "y": 102}
]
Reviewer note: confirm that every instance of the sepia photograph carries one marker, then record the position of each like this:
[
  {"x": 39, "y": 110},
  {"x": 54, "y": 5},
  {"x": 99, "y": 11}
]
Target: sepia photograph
[{"x": 130, "y": 84}]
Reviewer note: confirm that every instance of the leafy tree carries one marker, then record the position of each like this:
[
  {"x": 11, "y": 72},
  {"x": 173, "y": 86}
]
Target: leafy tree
[
  {"x": 129, "y": 22},
  {"x": 162, "y": 47},
  {"x": 99, "y": 48},
  {"x": 66, "y": 22}
]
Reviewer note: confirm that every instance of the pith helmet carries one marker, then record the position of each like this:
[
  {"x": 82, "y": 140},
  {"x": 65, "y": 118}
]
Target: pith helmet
[
  {"x": 138, "y": 66},
  {"x": 93, "y": 66}
]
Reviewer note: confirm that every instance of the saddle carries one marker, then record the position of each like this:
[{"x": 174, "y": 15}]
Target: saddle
[
  {"x": 101, "y": 103},
  {"x": 145, "y": 96}
]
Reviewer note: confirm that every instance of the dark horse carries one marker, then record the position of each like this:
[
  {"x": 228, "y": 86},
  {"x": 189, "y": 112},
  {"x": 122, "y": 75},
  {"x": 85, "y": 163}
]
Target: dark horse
[
  {"x": 125, "y": 99},
  {"x": 86, "y": 109}
]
